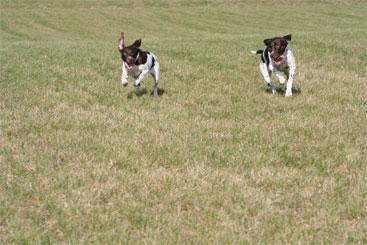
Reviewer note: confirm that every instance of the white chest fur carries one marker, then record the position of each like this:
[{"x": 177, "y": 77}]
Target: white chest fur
[
  {"x": 135, "y": 71},
  {"x": 283, "y": 65}
]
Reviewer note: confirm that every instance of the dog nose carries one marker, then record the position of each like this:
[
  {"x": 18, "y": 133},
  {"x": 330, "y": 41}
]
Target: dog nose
[{"x": 130, "y": 60}]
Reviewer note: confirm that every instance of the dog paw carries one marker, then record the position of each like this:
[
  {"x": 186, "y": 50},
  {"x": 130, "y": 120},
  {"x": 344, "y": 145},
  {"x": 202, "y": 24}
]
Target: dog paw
[
  {"x": 281, "y": 80},
  {"x": 288, "y": 93},
  {"x": 155, "y": 93},
  {"x": 136, "y": 83}
]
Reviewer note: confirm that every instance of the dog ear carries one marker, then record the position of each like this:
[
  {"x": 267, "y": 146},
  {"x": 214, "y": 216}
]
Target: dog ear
[
  {"x": 121, "y": 42},
  {"x": 137, "y": 43},
  {"x": 267, "y": 41},
  {"x": 288, "y": 37}
]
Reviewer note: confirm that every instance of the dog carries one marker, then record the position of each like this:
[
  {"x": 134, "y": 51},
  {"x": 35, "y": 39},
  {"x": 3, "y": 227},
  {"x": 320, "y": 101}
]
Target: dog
[
  {"x": 138, "y": 63},
  {"x": 276, "y": 57}
]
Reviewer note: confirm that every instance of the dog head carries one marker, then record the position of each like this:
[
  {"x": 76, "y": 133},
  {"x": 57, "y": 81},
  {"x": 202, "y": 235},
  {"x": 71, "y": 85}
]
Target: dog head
[
  {"x": 277, "y": 46},
  {"x": 129, "y": 54}
]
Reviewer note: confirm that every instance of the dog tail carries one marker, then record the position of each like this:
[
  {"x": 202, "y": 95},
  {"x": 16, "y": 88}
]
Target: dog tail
[{"x": 260, "y": 51}]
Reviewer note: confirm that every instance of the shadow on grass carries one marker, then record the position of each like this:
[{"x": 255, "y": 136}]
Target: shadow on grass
[
  {"x": 160, "y": 92},
  {"x": 143, "y": 92},
  {"x": 282, "y": 91}
]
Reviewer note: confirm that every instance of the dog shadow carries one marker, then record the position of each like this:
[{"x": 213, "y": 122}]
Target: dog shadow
[
  {"x": 282, "y": 91},
  {"x": 160, "y": 92},
  {"x": 144, "y": 91},
  {"x": 132, "y": 93}
]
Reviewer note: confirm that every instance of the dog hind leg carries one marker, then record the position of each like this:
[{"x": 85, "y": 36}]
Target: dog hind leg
[
  {"x": 155, "y": 74},
  {"x": 137, "y": 87}
]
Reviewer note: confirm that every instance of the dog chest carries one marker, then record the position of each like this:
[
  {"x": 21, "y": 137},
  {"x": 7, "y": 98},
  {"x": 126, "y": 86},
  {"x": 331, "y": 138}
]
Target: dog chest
[
  {"x": 283, "y": 66},
  {"x": 135, "y": 71}
]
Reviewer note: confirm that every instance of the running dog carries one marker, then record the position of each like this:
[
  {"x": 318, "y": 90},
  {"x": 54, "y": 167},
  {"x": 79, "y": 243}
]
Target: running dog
[
  {"x": 138, "y": 63},
  {"x": 276, "y": 57}
]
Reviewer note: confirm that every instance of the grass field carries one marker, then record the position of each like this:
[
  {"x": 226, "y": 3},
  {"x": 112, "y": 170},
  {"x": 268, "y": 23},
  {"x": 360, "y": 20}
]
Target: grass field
[{"x": 216, "y": 159}]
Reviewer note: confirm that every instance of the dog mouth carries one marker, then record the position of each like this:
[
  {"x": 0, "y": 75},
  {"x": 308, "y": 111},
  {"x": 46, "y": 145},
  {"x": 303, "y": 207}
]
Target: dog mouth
[
  {"x": 129, "y": 65},
  {"x": 279, "y": 59}
]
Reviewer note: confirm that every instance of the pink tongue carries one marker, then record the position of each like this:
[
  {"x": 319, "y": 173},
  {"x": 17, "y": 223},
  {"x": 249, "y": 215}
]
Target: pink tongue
[
  {"x": 128, "y": 66},
  {"x": 279, "y": 60}
]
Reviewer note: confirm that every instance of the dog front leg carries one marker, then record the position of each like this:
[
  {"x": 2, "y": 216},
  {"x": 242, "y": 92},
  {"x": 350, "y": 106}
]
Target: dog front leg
[
  {"x": 266, "y": 75},
  {"x": 124, "y": 76},
  {"x": 279, "y": 76},
  {"x": 290, "y": 85},
  {"x": 155, "y": 74},
  {"x": 290, "y": 75},
  {"x": 138, "y": 80}
]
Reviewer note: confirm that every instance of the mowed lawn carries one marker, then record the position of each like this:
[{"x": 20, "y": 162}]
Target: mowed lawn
[{"x": 216, "y": 159}]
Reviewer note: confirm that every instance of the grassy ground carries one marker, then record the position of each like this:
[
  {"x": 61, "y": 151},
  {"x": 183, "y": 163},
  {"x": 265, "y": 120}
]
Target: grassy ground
[{"x": 216, "y": 158}]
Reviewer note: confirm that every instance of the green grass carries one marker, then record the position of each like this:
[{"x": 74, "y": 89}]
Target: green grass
[{"x": 216, "y": 159}]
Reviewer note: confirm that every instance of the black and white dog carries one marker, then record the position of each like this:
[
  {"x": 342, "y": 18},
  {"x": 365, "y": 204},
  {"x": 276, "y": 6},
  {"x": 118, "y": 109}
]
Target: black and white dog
[
  {"x": 278, "y": 56},
  {"x": 138, "y": 63}
]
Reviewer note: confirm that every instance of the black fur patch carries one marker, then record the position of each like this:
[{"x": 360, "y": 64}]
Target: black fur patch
[
  {"x": 265, "y": 56},
  {"x": 142, "y": 59},
  {"x": 153, "y": 61}
]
